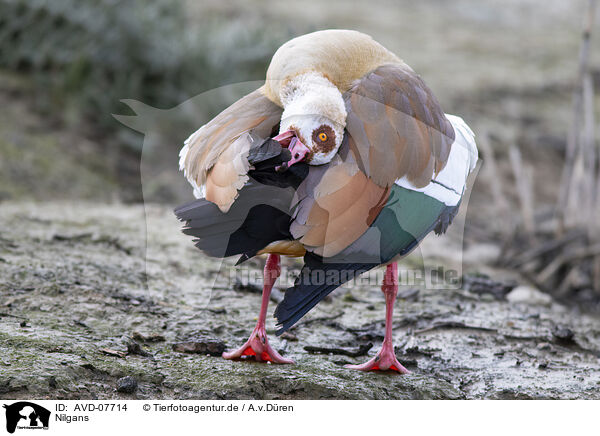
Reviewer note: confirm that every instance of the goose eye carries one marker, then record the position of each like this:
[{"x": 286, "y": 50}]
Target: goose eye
[{"x": 322, "y": 136}]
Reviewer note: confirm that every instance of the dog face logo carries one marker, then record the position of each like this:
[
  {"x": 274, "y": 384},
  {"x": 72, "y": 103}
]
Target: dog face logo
[{"x": 26, "y": 415}]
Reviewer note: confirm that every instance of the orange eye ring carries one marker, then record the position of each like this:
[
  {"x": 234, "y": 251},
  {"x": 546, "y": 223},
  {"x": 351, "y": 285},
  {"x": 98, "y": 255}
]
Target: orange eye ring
[{"x": 322, "y": 136}]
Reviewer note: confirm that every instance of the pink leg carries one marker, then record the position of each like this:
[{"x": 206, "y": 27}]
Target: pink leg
[
  {"x": 386, "y": 358},
  {"x": 258, "y": 344}
]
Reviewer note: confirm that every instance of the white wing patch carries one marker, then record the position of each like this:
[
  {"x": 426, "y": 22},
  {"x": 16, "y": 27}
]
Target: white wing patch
[
  {"x": 199, "y": 191},
  {"x": 448, "y": 185}
]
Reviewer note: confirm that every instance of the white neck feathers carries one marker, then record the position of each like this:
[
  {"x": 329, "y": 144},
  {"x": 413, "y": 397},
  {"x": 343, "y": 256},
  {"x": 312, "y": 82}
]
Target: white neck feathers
[{"x": 312, "y": 94}]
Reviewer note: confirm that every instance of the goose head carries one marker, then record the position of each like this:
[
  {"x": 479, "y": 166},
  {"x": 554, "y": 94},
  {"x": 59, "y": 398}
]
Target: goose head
[{"x": 313, "y": 120}]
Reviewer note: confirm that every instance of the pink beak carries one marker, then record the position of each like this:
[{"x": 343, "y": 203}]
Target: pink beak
[
  {"x": 285, "y": 137},
  {"x": 297, "y": 148}
]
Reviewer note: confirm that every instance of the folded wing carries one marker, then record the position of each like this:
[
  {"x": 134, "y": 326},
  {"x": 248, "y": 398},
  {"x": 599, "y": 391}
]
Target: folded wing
[
  {"x": 215, "y": 157},
  {"x": 396, "y": 127}
]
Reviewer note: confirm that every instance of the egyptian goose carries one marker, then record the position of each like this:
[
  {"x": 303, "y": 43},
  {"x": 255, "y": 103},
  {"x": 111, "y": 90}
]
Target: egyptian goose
[{"x": 344, "y": 157}]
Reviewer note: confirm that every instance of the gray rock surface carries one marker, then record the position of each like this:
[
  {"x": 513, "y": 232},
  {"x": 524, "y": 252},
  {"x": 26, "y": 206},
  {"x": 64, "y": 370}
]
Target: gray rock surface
[{"x": 82, "y": 306}]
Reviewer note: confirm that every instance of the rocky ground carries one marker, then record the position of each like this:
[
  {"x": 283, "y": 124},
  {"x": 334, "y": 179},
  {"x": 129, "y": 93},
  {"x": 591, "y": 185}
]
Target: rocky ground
[{"x": 87, "y": 297}]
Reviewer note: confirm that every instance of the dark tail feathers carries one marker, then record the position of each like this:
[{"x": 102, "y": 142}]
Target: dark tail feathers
[
  {"x": 317, "y": 280},
  {"x": 259, "y": 215}
]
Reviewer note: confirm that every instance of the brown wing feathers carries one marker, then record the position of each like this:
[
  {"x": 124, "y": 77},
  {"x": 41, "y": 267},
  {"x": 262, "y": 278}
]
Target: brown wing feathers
[
  {"x": 228, "y": 174},
  {"x": 337, "y": 204},
  {"x": 217, "y": 155},
  {"x": 396, "y": 126}
]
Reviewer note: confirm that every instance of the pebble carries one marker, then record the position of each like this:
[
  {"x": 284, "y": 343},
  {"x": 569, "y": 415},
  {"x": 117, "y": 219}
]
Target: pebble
[
  {"x": 127, "y": 385},
  {"x": 529, "y": 295},
  {"x": 563, "y": 334},
  {"x": 201, "y": 345},
  {"x": 544, "y": 346},
  {"x": 487, "y": 288},
  {"x": 135, "y": 348},
  {"x": 409, "y": 294},
  {"x": 289, "y": 336}
]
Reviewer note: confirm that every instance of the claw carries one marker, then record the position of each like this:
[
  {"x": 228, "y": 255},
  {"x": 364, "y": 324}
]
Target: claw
[
  {"x": 257, "y": 346},
  {"x": 386, "y": 358},
  {"x": 258, "y": 343},
  {"x": 384, "y": 361}
]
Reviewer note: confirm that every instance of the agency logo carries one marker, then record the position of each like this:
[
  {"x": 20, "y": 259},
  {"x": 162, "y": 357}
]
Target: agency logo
[{"x": 26, "y": 415}]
